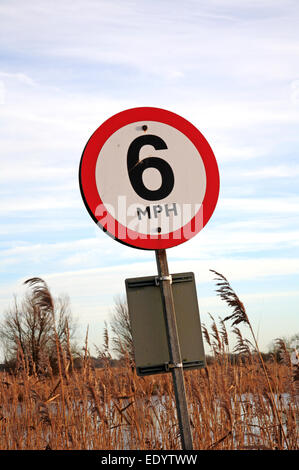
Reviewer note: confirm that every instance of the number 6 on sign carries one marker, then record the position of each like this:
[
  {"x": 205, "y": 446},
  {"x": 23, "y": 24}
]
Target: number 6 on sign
[
  {"x": 149, "y": 178},
  {"x": 136, "y": 168}
]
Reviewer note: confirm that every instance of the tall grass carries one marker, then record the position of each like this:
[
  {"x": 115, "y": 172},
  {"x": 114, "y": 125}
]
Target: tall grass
[
  {"x": 243, "y": 403},
  {"x": 231, "y": 407}
]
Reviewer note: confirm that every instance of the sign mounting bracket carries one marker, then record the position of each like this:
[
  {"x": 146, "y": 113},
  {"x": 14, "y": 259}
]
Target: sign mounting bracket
[{"x": 159, "y": 279}]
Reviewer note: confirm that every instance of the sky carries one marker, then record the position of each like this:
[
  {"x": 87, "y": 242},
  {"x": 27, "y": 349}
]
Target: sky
[{"x": 229, "y": 67}]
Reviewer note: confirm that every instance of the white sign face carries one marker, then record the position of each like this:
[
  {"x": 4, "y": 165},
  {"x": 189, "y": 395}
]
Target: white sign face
[
  {"x": 149, "y": 178},
  {"x": 162, "y": 188}
]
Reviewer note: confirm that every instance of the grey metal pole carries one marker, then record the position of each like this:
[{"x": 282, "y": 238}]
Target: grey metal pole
[{"x": 174, "y": 350}]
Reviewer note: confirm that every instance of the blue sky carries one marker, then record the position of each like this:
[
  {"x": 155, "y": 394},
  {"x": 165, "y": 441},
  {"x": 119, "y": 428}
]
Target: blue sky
[{"x": 229, "y": 67}]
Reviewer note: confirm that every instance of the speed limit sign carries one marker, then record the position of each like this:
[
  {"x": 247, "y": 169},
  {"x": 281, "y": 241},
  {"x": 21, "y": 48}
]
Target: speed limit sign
[{"x": 149, "y": 178}]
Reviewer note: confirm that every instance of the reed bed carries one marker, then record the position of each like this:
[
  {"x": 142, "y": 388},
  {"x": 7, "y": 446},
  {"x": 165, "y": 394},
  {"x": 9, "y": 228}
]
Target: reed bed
[
  {"x": 238, "y": 401},
  {"x": 112, "y": 408}
]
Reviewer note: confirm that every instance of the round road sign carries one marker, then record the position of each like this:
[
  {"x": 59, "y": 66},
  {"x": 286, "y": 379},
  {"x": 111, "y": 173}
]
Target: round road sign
[{"x": 149, "y": 178}]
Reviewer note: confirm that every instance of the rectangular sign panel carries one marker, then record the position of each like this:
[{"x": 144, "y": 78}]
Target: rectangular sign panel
[{"x": 148, "y": 324}]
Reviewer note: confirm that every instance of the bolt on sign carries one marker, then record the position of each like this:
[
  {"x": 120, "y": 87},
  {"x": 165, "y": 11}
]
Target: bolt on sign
[{"x": 149, "y": 178}]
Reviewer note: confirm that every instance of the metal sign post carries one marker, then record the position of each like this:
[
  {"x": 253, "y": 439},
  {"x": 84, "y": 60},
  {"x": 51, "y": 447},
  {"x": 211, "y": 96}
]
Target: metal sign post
[{"x": 174, "y": 350}]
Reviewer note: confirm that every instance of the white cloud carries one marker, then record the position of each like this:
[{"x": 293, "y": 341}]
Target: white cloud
[
  {"x": 237, "y": 152},
  {"x": 42, "y": 204},
  {"x": 21, "y": 77},
  {"x": 265, "y": 205},
  {"x": 233, "y": 239},
  {"x": 102, "y": 284},
  {"x": 48, "y": 226},
  {"x": 36, "y": 173},
  {"x": 279, "y": 171},
  {"x": 109, "y": 279},
  {"x": 167, "y": 36}
]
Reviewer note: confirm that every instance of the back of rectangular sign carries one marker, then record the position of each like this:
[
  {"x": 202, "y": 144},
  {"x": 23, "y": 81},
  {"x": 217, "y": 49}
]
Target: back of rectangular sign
[{"x": 149, "y": 328}]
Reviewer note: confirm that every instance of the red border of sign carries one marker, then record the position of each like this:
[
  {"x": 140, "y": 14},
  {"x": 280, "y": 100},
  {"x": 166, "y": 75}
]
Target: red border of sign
[{"x": 88, "y": 185}]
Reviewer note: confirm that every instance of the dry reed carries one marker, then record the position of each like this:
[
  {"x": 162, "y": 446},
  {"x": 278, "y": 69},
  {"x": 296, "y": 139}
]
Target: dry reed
[
  {"x": 236, "y": 402},
  {"x": 230, "y": 407}
]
